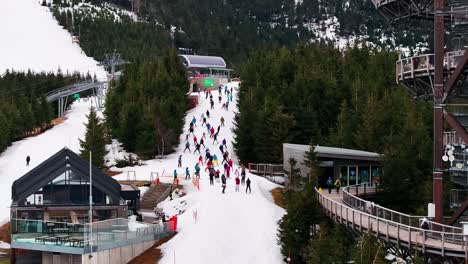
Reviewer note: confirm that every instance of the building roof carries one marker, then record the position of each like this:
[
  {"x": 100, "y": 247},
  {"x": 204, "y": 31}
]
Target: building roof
[
  {"x": 196, "y": 61},
  {"x": 56, "y": 165},
  {"x": 337, "y": 153}
]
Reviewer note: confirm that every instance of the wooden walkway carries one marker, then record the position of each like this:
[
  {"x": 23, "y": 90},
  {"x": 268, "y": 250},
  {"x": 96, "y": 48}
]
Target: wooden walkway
[{"x": 347, "y": 209}]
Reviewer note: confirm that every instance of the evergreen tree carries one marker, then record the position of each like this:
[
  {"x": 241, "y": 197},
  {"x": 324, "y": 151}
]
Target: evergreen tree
[{"x": 94, "y": 141}]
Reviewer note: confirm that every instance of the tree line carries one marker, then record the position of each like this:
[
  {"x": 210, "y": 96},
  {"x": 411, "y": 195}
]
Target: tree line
[{"x": 24, "y": 109}]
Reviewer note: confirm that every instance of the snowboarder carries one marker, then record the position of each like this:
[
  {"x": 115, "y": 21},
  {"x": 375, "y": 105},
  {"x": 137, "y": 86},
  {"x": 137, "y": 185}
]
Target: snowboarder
[
  {"x": 180, "y": 162},
  {"x": 237, "y": 184},
  {"x": 28, "y": 159},
  {"x": 223, "y": 181},
  {"x": 187, "y": 173},
  {"x": 248, "y": 186},
  {"x": 187, "y": 146},
  {"x": 222, "y": 121},
  {"x": 197, "y": 148}
]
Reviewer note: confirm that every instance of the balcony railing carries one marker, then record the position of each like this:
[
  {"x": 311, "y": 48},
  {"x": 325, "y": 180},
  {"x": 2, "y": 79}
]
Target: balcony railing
[
  {"x": 33, "y": 233},
  {"x": 424, "y": 64}
]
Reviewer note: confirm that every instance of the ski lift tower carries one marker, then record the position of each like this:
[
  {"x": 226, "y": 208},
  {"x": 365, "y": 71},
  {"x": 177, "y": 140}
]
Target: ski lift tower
[
  {"x": 111, "y": 61},
  {"x": 440, "y": 75}
]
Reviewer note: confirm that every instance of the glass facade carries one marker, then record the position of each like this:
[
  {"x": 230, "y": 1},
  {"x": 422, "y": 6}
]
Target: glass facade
[{"x": 353, "y": 174}]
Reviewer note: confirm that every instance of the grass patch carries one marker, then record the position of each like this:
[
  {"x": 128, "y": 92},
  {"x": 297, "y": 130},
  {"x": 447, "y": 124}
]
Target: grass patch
[{"x": 278, "y": 196}]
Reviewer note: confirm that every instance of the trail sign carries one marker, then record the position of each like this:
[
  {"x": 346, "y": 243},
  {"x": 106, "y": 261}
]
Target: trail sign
[
  {"x": 76, "y": 96},
  {"x": 208, "y": 82}
]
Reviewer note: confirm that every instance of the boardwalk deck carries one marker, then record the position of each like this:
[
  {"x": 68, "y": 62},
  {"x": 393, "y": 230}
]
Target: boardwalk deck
[{"x": 392, "y": 226}]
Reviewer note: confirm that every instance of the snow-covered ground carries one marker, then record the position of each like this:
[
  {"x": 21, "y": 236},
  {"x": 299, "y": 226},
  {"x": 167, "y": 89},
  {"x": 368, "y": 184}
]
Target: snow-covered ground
[
  {"x": 39, "y": 148},
  {"x": 33, "y": 39},
  {"x": 234, "y": 227}
]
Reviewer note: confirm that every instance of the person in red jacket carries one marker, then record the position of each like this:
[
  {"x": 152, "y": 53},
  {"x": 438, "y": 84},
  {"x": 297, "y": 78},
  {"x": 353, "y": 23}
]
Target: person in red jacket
[
  {"x": 230, "y": 163},
  {"x": 200, "y": 160},
  {"x": 237, "y": 184},
  {"x": 211, "y": 132}
]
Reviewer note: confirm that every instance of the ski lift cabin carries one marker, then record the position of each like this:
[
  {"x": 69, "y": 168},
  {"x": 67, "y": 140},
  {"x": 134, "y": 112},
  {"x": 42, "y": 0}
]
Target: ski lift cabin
[{"x": 205, "y": 72}]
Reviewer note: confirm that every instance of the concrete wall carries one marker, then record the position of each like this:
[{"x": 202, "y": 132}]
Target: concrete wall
[
  {"x": 120, "y": 255},
  {"x": 298, "y": 155}
]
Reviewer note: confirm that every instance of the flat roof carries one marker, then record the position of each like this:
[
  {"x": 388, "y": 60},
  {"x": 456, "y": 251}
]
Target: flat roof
[
  {"x": 197, "y": 61},
  {"x": 339, "y": 153}
]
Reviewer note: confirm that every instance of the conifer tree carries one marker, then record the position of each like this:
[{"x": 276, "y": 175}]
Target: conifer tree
[{"x": 94, "y": 141}]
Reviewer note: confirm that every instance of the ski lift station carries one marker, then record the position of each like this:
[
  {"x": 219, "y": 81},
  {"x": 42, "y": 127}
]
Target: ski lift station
[{"x": 205, "y": 72}]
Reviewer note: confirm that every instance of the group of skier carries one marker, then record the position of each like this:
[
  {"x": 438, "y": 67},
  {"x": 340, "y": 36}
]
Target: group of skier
[{"x": 210, "y": 159}]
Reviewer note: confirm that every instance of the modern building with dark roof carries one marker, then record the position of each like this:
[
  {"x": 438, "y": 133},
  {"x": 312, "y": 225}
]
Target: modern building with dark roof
[
  {"x": 50, "y": 215},
  {"x": 349, "y": 165}
]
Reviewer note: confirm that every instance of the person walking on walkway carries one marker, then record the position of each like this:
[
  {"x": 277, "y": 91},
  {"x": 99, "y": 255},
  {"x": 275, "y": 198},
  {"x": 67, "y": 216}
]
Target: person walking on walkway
[
  {"x": 237, "y": 183},
  {"x": 248, "y": 186},
  {"x": 28, "y": 159},
  {"x": 180, "y": 162},
  {"x": 329, "y": 184},
  {"x": 337, "y": 185},
  {"x": 223, "y": 181}
]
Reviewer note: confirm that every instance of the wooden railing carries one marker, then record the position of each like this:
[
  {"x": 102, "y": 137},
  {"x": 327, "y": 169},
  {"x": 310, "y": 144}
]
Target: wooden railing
[{"x": 393, "y": 226}]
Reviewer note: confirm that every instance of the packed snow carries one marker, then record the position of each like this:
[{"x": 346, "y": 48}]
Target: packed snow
[
  {"x": 33, "y": 39},
  {"x": 234, "y": 227},
  {"x": 40, "y": 148}
]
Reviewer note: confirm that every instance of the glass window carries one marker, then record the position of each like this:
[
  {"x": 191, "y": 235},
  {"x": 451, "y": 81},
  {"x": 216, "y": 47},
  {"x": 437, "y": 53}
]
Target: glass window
[
  {"x": 364, "y": 173},
  {"x": 352, "y": 175}
]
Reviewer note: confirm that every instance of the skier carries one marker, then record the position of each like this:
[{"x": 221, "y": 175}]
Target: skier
[
  {"x": 237, "y": 184},
  {"x": 243, "y": 177},
  {"x": 202, "y": 142},
  {"x": 222, "y": 121},
  {"x": 186, "y": 137},
  {"x": 202, "y": 116},
  {"x": 204, "y": 135},
  {"x": 219, "y": 98},
  {"x": 194, "y": 121},
  {"x": 207, "y": 114},
  {"x": 187, "y": 173},
  {"x": 211, "y": 178},
  {"x": 227, "y": 105},
  {"x": 223, "y": 181},
  {"x": 204, "y": 121},
  {"x": 215, "y": 160},
  {"x": 212, "y": 132},
  {"x": 224, "y": 142},
  {"x": 197, "y": 171},
  {"x": 191, "y": 130},
  {"x": 197, "y": 148},
  {"x": 175, "y": 175},
  {"x": 28, "y": 159},
  {"x": 180, "y": 162},
  {"x": 248, "y": 186},
  {"x": 212, "y": 104},
  {"x": 225, "y": 156},
  {"x": 187, "y": 146},
  {"x": 200, "y": 160},
  {"x": 195, "y": 139},
  {"x": 208, "y": 127},
  {"x": 215, "y": 138},
  {"x": 221, "y": 148},
  {"x": 219, "y": 127},
  {"x": 230, "y": 163}
]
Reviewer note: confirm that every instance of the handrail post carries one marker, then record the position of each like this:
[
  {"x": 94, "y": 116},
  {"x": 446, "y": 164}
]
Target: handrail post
[
  {"x": 443, "y": 244},
  {"x": 378, "y": 230},
  {"x": 409, "y": 239},
  {"x": 398, "y": 234},
  {"x": 387, "y": 236},
  {"x": 424, "y": 241},
  {"x": 360, "y": 221}
]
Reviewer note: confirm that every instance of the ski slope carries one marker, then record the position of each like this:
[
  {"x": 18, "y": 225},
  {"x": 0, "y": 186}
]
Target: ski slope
[
  {"x": 234, "y": 227},
  {"x": 40, "y": 148},
  {"x": 33, "y": 39}
]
